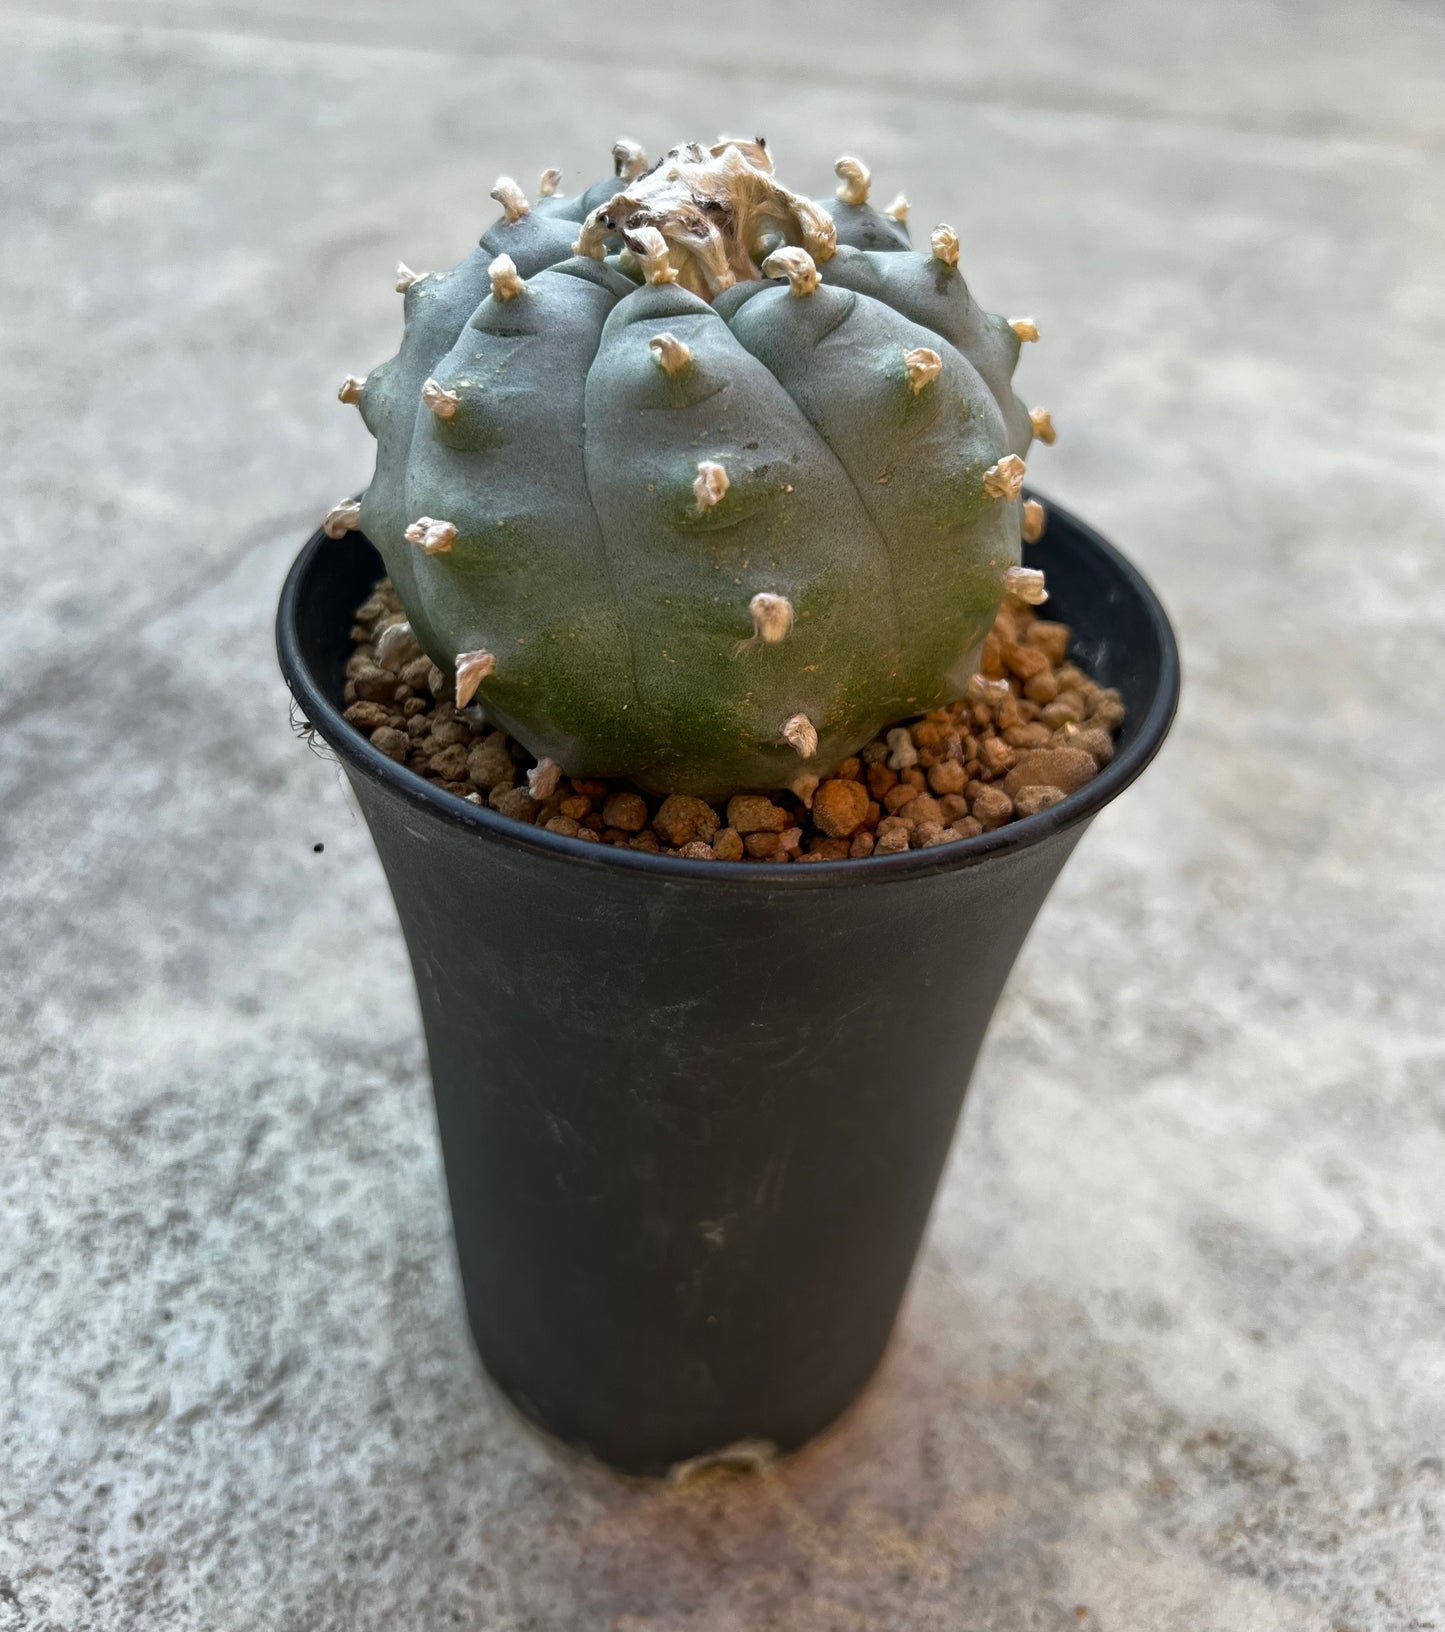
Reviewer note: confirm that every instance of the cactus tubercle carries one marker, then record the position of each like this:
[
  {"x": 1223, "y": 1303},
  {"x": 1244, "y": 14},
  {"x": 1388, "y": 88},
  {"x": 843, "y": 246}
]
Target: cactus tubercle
[
  {"x": 1034, "y": 520},
  {"x": 669, "y": 353},
  {"x": 472, "y": 669},
  {"x": 772, "y": 617},
  {"x": 1005, "y": 480},
  {"x": 924, "y": 365},
  {"x": 854, "y": 179},
  {"x": 443, "y": 403},
  {"x": 342, "y": 518},
  {"x": 432, "y": 537},
  {"x": 351, "y": 388},
  {"x": 796, "y": 265},
  {"x": 711, "y": 484},
  {"x": 1025, "y": 584},
  {"x": 512, "y": 199},
  {"x": 1043, "y": 426},
  {"x": 801, "y": 735}
]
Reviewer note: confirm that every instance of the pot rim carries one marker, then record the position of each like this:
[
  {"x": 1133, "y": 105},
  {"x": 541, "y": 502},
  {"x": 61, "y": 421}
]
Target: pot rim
[{"x": 359, "y": 755}]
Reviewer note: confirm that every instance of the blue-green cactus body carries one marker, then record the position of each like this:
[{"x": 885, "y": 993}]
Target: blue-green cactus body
[{"x": 707, "y": 533}]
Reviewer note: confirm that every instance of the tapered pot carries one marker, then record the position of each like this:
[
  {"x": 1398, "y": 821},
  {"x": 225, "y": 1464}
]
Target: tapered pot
[{"x": 693, "y": 1114}]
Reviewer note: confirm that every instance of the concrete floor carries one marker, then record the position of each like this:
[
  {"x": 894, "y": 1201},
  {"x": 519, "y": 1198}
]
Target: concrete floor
[{"x": 1173, "y": 1360}]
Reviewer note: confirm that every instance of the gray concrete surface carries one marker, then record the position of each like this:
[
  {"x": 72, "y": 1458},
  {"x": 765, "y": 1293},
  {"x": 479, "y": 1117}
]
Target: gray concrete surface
[{"x": 1173, "y": 1360}]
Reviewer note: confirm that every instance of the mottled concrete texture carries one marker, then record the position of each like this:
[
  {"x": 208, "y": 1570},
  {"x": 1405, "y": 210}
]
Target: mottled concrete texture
[{"x": 1173, "y": 1359}]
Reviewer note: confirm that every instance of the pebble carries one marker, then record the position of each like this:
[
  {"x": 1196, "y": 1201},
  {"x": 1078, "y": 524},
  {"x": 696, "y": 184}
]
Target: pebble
[
  {"x": 1033, "y": 728},
  {"x": 374, "y": 684},
  {"x": 901, "y": 751},
  {"x": 755, "y": 813},
  {"x": 1052, "y": 639},
  {"x": 393, "y": 743},
  {"x": 924, "y": 810},
  {"x": 450, "y": 763},
  {"x": 727, "y": 844},
  {"x": 947, "y": 776},
  {"x": 839, "y": 807},
  {"x": 1032, "y": 800},
  {"x": 995, "y": 755},
  {"x": 991, "y": 807},
  {"x": 543, "y": 778},
  {"x": 1066, "y": 768},
  {"x": 514, "y": 802},
  {"x": 681, "y": 818},
  {"x": 880, "y": 779},
  {"x": 397, "y": 646},
  {"x": 1095, "y": 742},
  {"x": 368, "y": 717},
  {"x": 625, "y": 810},
  {"x": 490, "y": 761}
]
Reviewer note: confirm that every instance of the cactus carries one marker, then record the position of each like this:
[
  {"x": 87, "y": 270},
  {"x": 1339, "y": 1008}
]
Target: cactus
[{"x": 693, "y": 480}]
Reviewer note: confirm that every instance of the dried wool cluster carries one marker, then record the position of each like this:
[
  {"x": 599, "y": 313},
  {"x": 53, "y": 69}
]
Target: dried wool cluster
[{"x": 697, "y": 481}]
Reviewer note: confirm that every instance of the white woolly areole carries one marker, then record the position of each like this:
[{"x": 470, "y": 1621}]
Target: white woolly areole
[
  {"x": 431, "y": 537},
  {"x": 548, "y": 182},
  {"x": 405, "y": 277},
  {"x": 898, "y": 209},
  {"x": 1035, "y": 518},
  {"x": 855, "y": 180},
  {"x": 650, "y": 249},
  {"x": 472, "y": 669},
  {"x": 944, "y": 243},
  {"x": 924, "y": 365},
  {"x": 342, "y": 518},
  {"x": 772, "y": 617},
  {"x": 1043, "y": 423},
  {"x": 1024, "y": 327},
  {"x": 443, "y": 403},
  {"x": 351, "y": 388},
  {"x": 629, "y": 159},
  {"x": 801, "y": 735},
  {"x": 1025, "y": 584},
  {"x": 1005, "y": 480},
  {"x": 507, "y": 282},
  {"x": 711, "y": 484},
  {"x": 512, "y": 199},
  {"x": 669, "y": 353},
  {"x": 797, "y": 266}
]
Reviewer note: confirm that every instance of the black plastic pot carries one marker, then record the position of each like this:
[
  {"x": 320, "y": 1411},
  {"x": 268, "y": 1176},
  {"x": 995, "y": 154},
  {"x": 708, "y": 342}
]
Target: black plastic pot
[{"x": 693, "y": 1114}]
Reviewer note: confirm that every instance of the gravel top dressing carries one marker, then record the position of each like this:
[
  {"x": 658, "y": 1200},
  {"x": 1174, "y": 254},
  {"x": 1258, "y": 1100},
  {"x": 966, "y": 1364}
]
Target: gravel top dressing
[{"x": 1033, "y": 728}]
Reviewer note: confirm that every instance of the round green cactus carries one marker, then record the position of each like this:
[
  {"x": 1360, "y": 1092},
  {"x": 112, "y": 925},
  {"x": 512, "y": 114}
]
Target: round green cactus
[{"x": 693, "y": 480}]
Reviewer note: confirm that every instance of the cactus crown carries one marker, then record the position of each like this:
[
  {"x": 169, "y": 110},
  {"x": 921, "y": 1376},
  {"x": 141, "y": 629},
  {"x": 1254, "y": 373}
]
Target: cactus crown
[{"x": 691, "y": 478}]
